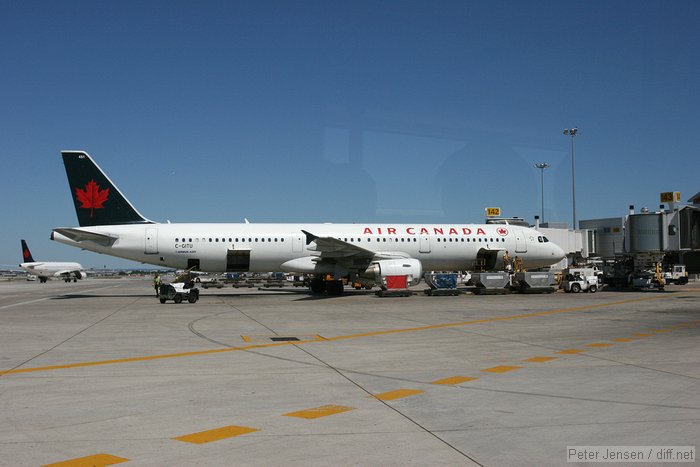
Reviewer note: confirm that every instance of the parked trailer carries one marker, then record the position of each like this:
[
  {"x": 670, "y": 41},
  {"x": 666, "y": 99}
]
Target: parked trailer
[
  {"x": 490, "y": 282},
  {"x": 441, "y": 284},
  {"x": 534, "y": 282},
  {"x": 394, "y": 286}
]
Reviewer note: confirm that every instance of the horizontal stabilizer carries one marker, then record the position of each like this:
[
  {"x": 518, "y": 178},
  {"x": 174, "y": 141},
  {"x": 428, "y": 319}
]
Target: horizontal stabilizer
[{"x": 78, "y": 235}]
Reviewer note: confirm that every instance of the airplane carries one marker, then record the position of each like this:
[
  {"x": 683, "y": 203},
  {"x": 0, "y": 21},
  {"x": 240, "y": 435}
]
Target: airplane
[
  {"x": 364, "y": 253},
  {"x": 45, "y": 269}
]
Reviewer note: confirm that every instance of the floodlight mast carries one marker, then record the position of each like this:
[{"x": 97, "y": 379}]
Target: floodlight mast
[
  {"x": 573, "y": 132},
  {"x": 542, "y": 166}
]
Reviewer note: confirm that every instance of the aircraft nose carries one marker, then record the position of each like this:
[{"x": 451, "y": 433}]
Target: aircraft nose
[{"x": 557, "y": 252}]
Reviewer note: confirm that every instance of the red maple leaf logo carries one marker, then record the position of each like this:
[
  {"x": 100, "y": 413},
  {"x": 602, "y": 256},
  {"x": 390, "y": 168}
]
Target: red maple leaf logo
[
  {"x": 502, "y": 231},
  {"x": 25, "y": 253},
  {"x": 92, "y": 197}
]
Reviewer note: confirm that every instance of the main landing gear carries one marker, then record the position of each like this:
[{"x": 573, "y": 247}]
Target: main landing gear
[{"x": 331, "y": 287}]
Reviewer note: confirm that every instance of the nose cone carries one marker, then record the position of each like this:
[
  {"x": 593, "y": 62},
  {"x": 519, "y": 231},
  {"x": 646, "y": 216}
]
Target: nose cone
[{"x": 557, "y": 253}]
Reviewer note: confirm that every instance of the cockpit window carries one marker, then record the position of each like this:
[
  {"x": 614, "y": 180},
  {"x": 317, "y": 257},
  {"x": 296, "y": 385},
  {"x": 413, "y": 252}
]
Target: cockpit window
[
  {"x": 539, "y": 239},
  {"x": 545, "y": 239}
]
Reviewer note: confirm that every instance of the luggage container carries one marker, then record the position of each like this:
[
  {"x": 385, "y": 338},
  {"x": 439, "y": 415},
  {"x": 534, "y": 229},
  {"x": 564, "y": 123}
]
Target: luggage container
[
  {"x": 534, "y": 282},
  {"x": 394, "y": 286},
  {"x": 491, "y": 282},
  {"x": 441, "y": 283}
]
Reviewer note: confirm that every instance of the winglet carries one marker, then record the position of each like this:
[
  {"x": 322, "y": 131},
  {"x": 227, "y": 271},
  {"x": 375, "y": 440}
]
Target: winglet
[{"x": 309, "y": 237}]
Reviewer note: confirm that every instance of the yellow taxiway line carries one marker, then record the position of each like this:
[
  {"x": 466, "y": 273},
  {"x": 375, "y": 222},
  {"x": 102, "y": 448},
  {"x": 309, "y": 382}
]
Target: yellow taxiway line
[{"x": 328, "y": 339}]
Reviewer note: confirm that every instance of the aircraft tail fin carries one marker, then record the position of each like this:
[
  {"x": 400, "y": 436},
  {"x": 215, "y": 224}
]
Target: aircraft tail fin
[
  {"x": 97, "y": 200},
  {"x": 26, "y": 254}
]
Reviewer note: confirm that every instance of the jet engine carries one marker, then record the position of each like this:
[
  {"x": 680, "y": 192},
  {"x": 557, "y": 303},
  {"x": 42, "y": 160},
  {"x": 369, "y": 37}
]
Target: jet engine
[{"x": 394, "y": 267}]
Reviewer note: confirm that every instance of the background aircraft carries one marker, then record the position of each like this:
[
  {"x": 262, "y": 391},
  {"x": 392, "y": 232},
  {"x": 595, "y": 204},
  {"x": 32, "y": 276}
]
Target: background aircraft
[
  {"x": 364, "y": 253},
  {"x": 45, "y": 269}
]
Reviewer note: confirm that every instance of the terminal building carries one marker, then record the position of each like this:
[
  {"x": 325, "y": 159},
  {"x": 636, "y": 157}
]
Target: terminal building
[{"x": 671, "y": 232}]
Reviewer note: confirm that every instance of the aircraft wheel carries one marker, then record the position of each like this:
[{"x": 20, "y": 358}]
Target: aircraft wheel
[
  {"x": 593, "y": 289},
  {"x": 575, "y": 288},
  {"x": 317, "y": 286},
  {"x": 178, "y": 298},
  {"x": 334, "y": 288}
]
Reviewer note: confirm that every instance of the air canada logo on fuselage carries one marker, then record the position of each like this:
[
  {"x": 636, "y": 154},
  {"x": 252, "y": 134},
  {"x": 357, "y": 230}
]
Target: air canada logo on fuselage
[
  {"x": 502, "y": 231},
  {"x": 92, "y": 196}
]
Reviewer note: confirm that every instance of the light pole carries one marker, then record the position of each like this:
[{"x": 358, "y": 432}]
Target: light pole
[
  {"x": 542, "y": 166},
  {"x": 573, "y": 132}
]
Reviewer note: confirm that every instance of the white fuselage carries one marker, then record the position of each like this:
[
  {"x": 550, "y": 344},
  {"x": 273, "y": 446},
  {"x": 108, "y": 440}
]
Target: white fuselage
[
  {"x": 53, "y": 269},
  {"x": 442, "y": 247}
]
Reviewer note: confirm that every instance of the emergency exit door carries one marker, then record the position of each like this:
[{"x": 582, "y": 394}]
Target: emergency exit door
[
  {"x": 424, "y": 244},
  {"x": 151, "y": 241}
]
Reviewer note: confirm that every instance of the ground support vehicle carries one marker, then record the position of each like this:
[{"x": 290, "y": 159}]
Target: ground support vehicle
[
  {"x": 676, "y": 274},
  {"x": 177, "y": 292},
  {"x": 581, "y": 280},
  {"x": 640, "y": 271},
  {"x": 441, "y": 284}
]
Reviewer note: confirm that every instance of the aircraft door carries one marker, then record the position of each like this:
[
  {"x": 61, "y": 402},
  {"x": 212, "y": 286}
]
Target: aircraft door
[
  {"x": 151, "y": 241},
  {"x": 424, "y": 244},
  {"x": 520, "y": 241},
  {"x": 297, "y": 243},
  {"x": 238, "y": 261}
]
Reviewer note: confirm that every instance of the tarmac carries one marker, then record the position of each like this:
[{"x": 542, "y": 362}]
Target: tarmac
[{"x": 100, "y": 373}]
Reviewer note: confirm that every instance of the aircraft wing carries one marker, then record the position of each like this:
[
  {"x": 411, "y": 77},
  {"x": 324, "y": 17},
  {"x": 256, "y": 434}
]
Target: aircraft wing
[
  {"x": 68, "y": 273},
  {"x": 348, "y": 255},
  {"x": 330, "y": 247}
]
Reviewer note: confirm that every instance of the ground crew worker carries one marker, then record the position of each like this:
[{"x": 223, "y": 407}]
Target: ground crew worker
[
  {"x": 156, "y": 284},
  {"x": 506, "y": 261},
  {"x": 518, "y": 264}
]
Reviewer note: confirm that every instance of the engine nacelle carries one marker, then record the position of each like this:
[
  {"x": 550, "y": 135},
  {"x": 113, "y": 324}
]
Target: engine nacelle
[{"x": 410, "y": 267}]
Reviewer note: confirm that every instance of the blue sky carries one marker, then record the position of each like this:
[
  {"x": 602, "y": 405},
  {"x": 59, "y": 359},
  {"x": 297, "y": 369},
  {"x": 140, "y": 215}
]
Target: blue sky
[{"x": 355, "y": 111}]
